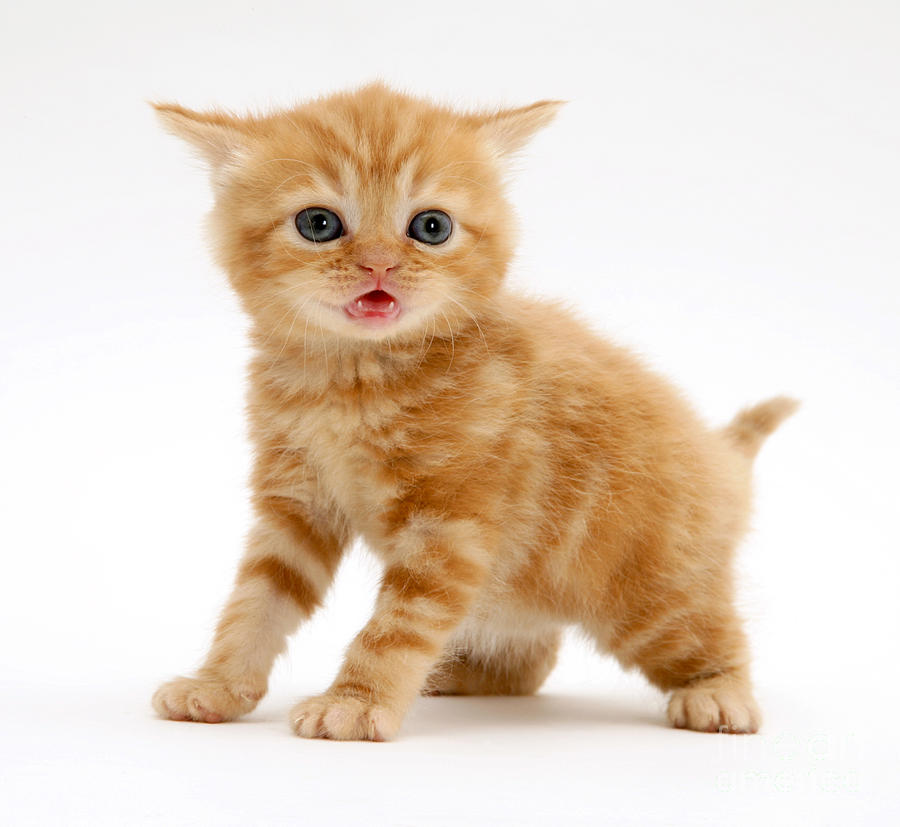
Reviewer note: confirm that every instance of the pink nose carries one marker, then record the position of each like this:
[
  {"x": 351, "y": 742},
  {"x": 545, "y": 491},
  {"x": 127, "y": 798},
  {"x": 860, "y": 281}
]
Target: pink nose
[{"x": 377, "y": 266}]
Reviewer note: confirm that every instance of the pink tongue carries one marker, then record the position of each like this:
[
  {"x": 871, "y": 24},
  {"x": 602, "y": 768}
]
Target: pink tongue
[{"x": 375, "y": 300}]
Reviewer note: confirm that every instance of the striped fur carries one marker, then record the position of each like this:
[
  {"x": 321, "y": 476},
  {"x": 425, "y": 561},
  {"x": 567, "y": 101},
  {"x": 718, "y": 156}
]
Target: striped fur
[{"x": 514, "y": 472}]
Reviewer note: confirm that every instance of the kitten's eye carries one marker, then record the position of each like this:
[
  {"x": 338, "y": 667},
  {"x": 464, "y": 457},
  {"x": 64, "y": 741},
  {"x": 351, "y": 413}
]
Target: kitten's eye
[
  {"x": 318, "y": 224},
  {"x": 431, "y": 227}
]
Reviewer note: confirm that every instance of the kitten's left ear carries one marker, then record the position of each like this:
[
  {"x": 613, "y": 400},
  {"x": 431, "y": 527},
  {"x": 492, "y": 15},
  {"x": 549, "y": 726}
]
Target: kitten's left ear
[
  {"x": 510, "y": 129},
  {"x": 220, "y": 138}
]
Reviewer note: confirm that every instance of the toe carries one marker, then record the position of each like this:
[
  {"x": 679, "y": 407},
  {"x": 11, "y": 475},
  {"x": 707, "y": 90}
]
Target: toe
[
  {"x": 714, "y": 707},
  {"x": 344, "y": 719}
]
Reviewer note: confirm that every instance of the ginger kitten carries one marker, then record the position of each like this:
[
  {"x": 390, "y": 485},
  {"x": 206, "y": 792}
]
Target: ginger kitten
[{"x": 514, "y": 472}]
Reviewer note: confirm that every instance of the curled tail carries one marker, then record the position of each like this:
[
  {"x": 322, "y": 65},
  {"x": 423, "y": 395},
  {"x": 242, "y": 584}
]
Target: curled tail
[{"x": 752, "y": 425}]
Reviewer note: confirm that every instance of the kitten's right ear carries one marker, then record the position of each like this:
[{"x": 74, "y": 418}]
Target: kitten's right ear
[{"x": 219, "y": 138}]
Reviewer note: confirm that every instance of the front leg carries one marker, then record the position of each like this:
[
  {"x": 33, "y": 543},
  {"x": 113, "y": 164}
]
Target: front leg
[
  {"x": 433, "y": 576},
  {"x": 289, "y": 564}
]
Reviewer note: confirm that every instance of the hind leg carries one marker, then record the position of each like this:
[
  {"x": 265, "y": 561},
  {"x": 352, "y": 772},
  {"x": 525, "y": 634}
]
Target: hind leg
[
  {"x": 719, "y": 703},
  {"x": 700, "y": 655},
  {"x": 514, "y": 666}
]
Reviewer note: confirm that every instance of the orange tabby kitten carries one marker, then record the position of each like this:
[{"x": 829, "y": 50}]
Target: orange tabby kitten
[{"x": 514, "y": 472}]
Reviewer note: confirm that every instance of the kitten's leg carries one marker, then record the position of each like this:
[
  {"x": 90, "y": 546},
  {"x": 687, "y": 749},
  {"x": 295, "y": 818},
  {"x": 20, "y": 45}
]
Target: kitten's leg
[
  {"x": 700, "y": 654},
  {"x": 512, "y": 667},
  {"x": 288, "y": 566},
  {"x": 431, "y": 581}
]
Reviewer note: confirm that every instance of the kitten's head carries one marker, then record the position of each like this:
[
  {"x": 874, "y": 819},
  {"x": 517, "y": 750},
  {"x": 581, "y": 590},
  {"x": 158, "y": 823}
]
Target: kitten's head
[{"x": 366, "y": 215}]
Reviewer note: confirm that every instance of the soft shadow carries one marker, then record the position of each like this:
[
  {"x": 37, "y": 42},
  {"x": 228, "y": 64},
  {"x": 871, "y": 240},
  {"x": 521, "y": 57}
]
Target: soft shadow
[
  {"x": 442, "y": 716},
  {"x": 445, "y": 715}
]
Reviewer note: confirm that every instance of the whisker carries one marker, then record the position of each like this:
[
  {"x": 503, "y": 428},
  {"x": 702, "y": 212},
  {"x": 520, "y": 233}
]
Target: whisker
[
  {"x": 472, "y": 316},
  {"x": 452, "y": 342}
]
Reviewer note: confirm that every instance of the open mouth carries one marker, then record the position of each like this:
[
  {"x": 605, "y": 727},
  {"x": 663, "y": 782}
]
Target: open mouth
[{"x": 376, "y": 305}]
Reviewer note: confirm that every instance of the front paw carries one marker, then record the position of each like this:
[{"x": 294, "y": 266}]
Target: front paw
[
  {"x": 344, "y": 718},
  {"x": 205, "y": 699}
]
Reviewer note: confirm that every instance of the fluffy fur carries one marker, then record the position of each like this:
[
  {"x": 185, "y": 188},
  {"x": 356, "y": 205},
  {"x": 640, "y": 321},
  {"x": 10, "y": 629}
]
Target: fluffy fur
[{"x": 514, "y": 472}]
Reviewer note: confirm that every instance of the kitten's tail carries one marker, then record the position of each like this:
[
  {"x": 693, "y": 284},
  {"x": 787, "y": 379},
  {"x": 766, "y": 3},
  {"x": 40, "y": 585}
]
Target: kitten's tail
[{"x": 752, "y": 425}]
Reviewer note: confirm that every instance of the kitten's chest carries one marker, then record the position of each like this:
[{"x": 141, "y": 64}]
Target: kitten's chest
[
  {"x": 352, "y": 452},
  {"x": 366, "y": 445}
]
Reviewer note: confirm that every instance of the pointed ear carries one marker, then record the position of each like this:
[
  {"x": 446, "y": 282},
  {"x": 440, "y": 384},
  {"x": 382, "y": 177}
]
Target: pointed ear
[
  {"x": 510, "y": 129},
  {"x": 220, "y": 138}
]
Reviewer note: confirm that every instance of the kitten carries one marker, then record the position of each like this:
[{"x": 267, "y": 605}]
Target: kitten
[{"x": 514, "y": 472}]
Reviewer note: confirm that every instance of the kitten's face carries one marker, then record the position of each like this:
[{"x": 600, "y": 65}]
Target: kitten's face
[{"x": 368, "y": 215}]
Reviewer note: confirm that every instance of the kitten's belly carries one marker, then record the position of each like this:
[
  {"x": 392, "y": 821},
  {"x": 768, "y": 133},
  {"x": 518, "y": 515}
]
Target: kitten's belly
[{"x": 497, "y": 621}]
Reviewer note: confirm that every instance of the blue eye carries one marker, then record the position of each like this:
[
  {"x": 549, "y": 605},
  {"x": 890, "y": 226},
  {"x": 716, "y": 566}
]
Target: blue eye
[
  {"x": 430, "y": 227},
  {"x": 318, "y": 224}
]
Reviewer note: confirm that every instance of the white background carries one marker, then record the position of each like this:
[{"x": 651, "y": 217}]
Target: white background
[{"x": 721, "y": 194}]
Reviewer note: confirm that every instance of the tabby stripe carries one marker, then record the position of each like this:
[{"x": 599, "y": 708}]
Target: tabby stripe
[
  {"x": 408, "y": 585},
  {"x": 397, "y": 639},
  {"x": 649, "y": 629},
  {"x": 440, "y": 623},
  {"x": 283, "y": 512},
  {"x": 447, "y": 586},
  {"x": 677, "y": 655},
  {"x": 285, "y": 578}
]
